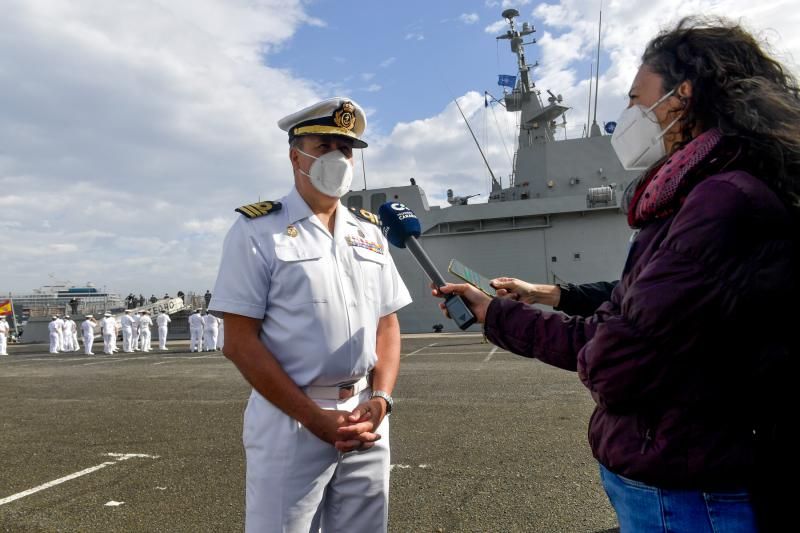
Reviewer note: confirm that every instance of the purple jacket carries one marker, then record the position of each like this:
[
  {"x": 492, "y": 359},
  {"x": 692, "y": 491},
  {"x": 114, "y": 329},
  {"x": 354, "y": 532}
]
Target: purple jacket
[{"x": 688, "y": 360}]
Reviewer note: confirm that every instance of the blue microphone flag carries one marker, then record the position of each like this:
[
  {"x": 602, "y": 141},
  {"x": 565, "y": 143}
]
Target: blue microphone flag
[{"x": 399, "y": 223}]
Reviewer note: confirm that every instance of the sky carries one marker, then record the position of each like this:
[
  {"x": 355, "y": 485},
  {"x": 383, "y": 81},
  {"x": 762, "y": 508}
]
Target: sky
[{"x": 131, "y": 130}]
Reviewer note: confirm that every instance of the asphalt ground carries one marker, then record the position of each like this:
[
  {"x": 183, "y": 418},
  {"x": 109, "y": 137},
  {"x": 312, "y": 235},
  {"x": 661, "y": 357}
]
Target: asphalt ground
[{"x": 482, "y": 441}]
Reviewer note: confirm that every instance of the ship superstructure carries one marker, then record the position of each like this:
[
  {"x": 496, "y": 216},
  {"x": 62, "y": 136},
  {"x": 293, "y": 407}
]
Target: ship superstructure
[{"x": 559, "y": 220}]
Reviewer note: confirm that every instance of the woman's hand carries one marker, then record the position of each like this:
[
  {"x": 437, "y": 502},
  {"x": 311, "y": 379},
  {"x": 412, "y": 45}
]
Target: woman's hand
[
  {"x": 477, "y": 301},
  {"x": 529, "y": 293}
]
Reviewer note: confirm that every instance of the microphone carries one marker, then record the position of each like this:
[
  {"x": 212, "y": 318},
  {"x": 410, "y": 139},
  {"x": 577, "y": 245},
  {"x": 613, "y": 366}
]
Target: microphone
[{"x": 401, "y": 228}]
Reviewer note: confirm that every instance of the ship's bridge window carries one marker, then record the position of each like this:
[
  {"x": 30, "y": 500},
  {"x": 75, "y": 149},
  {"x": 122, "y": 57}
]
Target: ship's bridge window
[
  {"x": 376, "y": 201},
  {"x": 355, "y": 201}
]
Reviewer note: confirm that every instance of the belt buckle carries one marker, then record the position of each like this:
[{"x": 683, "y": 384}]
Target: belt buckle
[{"x": 346, "y": 391}]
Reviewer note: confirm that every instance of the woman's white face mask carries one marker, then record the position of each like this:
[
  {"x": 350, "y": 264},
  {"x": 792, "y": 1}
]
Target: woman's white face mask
[
  {"x": 638, "y": 138},
  {"x": 331, "y": 174}
]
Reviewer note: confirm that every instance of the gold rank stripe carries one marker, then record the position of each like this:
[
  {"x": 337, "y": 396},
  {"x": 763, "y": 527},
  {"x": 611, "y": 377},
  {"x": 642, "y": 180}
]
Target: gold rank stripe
[{"x": 259, "y": 209}]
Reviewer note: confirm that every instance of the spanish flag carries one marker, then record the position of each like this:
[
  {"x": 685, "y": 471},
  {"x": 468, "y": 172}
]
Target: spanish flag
[{"x": 5, "y": 307}]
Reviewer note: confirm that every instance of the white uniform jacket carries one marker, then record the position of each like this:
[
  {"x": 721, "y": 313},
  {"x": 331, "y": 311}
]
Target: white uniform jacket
[{"x": 320, "y": 296}]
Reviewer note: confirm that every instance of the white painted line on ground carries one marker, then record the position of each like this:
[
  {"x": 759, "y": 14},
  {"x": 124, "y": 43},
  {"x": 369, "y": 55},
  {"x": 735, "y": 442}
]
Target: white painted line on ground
[
  {"x": 118, "y": 457},
  {"x": 404, "y": 467},
  {"x": 417, "y": 351},
  {"x": 170, "y": 359},
  {"x": 116, "y": 360},
  {"x": 112, "y": 503},
  {"x": 488, "y": 357}
]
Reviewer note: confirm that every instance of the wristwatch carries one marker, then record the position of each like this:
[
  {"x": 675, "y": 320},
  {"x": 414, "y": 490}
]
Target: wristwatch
[{"x": 387, "y": 398}]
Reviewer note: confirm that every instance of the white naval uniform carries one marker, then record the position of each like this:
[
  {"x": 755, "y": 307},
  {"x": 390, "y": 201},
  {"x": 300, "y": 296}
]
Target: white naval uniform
[
  {"x": 320, "y": 298},
  {"x": 126, "y": 322},
  {"x": 60, "y": 334},
  {"x": 195, "y": 332},
  {"x": 135, "y": 332},
  {"x": 162, "y": 320},
  {"x": 53, "y": 328},
  {"x": 210, "y": 332},
  {"x": 144, "y": 332},
  {"x": 74, "y": 328},
  {"x": 4, "y": 328},
  {"x": 109, "y": 325},
  {"x": 87, "y": 329}
]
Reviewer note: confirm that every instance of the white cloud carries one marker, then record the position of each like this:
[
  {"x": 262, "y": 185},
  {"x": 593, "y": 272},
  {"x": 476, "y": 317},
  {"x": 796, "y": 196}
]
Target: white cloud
[
  {"x": 373, "y": 88},
  {"x": 496, "y": 27},
  {"x": 414, "y": 36},
  {"x": 366, "y": 76},
  {"x": 469, "y": 18},
  {"x": 387, "y": 62}
]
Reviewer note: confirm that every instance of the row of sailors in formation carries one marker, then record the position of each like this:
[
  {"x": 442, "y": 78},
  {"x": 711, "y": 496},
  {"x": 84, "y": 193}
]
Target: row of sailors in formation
[
  {"x": 64, "y": 332},
  {"x": 205, "y": 331}
]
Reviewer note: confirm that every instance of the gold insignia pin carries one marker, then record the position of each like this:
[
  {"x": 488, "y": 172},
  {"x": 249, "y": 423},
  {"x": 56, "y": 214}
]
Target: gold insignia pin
[{"x": 291, "y": 231}]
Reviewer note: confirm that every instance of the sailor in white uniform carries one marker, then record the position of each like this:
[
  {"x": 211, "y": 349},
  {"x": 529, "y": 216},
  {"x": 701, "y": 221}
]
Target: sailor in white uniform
[
  {"x": 3, "y": 335},
  {"x": 210, "y": 332},
  {"x": 73, "y": 327},
  {"x": 87, "y": 329},
  {"x": 135, "y": 331},
  {"x": 144, "y": 330},
  {"x": 54, "y": 328},
  {"x": 126, "y": 323},
  {"x": 109, "y": 327},
  {"x": 162, "y": 320},
  {"x": 309, "y": 293},
  {"x": 195, "y": 331},
  {"x": 60, "y": 332}
]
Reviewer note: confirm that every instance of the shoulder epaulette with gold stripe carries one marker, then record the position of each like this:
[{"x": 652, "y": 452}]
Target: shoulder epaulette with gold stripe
[
  {"x": 363, "y": 214},
  {"x": 259, "y": 209}
]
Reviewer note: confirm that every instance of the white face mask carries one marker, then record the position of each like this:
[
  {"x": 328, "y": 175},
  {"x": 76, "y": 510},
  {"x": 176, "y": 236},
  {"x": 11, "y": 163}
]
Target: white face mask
[
  {"x": 638, "y": 138},
  {"x": 331, "y": 174}
]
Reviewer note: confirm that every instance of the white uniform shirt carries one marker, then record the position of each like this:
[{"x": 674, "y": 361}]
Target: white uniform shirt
[
  {"x": 109, "y": 325},
  {"x": 210, "y": 322},
  {"x": 87, "y": 326},
  {"x": 59, "y": 325},
  {"x": 126, "y": 321},
  {"x": 195, "y": 321},
  {"x": 319, "y": 296},
  {"x": 70, "y": 327},
  {"x": 162, "y": 320},
  {"x": 52, "y": 326},
  {"x": 145, "y": 322},
  {"x": 4, "y": 327}
]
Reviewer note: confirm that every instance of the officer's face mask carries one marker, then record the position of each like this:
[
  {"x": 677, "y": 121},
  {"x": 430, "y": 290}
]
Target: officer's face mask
[
  {"x": 331, "y": 174},
  {"x": 638, "y": 138}
]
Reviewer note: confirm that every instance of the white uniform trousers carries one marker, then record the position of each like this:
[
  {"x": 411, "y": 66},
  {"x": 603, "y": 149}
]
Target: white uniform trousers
[
  {"x": 3, "y": 344},
  {"x": 210, "y": 339},
  {"x": 54, "y": 342},
  {"x": 145, "y": 339},
  {"x": 162, "y": 337},
  {"x": 88, "y": 341},
  {"x": 127, "y": 338},
  {"x": 196, "y": 339},
  {"x": 298, "y": 483},
  {"x": 75, "y": 346},
  {"x": 109, "y": 343},
  {"x": 135, "y": 339}
]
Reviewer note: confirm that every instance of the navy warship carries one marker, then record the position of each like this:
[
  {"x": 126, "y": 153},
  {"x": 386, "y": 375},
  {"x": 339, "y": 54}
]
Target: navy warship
[{"x": 557, "y": 221}]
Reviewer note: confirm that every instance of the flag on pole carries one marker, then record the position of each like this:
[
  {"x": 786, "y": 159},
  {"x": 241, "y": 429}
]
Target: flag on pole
[
  {"x": 504, "y": 80},
  {"x": 5, "y": 307}
]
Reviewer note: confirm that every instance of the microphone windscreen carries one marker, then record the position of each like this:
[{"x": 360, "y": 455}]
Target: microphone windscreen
[{"x": 399, "y": 223}]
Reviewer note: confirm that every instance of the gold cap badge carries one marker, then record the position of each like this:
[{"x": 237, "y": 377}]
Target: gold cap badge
[{"x": 345, "y": 116}]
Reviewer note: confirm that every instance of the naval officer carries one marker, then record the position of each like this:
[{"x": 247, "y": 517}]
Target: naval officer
[
  {"x": 3, "y": 335},
  {"x": 309, "y": 294}
]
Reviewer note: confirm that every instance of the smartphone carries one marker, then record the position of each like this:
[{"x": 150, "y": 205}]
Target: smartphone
[{"x": 458, "y": 268}]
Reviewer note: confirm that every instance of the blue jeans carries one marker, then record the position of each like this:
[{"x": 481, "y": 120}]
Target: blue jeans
[{"x": 643, "y": 508}]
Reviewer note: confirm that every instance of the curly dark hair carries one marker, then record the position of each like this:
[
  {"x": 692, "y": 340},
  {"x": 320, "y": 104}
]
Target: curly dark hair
[{"x": 738, "y": 88}]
